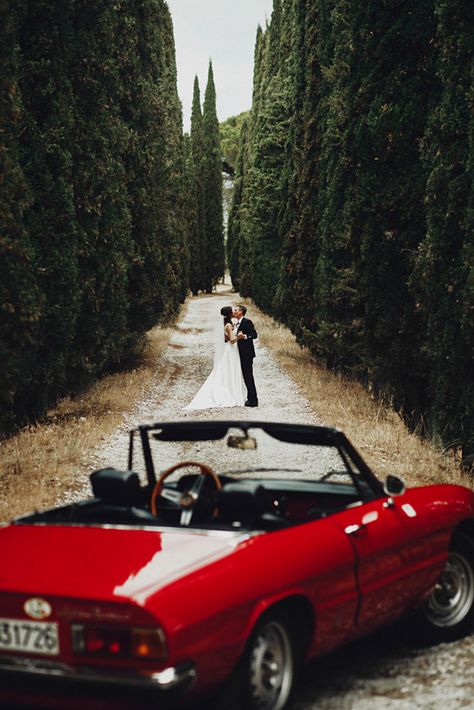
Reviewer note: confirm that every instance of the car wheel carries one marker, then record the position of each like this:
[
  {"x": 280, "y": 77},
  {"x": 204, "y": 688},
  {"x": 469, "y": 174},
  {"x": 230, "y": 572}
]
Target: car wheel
[
  {"x": 448, "y": 613},
  {"x": 266, "y": 675}
]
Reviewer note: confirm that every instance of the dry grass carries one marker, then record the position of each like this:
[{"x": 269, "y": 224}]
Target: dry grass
[
  {"x": 375, "y": 430},
  {"x": 40, "y": 463}
]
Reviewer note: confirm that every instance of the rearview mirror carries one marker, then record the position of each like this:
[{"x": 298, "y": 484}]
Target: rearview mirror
[
  {"x": 242, "y": 442},
  {"x": 394, "y": 486}
]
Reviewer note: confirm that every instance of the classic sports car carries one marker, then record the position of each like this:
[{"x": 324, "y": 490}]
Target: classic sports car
[{"x": 221, "y": 578}]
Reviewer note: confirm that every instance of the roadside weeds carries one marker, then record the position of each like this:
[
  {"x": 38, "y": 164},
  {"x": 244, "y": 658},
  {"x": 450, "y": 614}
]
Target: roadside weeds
[
  {"x": 373, "y": 428},
  {"x": 38, "y": 464}
]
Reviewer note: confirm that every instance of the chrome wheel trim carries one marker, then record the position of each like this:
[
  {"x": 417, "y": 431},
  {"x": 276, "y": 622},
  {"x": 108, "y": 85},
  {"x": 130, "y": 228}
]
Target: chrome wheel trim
[
  {"x": 453, "y": 596},
  {"x": 271, "y": 667}
]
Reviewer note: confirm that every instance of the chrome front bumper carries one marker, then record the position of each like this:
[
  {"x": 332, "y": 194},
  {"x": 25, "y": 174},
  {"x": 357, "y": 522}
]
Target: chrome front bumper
[{"x": 169, "y": 679}]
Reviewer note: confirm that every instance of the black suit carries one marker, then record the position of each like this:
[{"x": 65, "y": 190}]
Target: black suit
[{"x": 247, "y": 354}]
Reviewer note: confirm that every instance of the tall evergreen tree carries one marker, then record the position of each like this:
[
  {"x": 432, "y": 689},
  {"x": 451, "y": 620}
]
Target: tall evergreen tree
[
  {"x": 21, "y": 300},
  {"x": 197, "y": 247},
  {"x": 396, "y": 89},
  {"x": 92, "y": 232},
  {"x": 268, "y": 161},
  {"x": 147, "y": 175},
  {"x": 45, "y": 148},
  {"x": 100, "y": 190},
  {"x": 301, "y": 248},
  {"x": 214, "y": 257},
  {"x": 233, "y": 231},
  {"x": 444, "y": 280},
  {"x": 241, "y": 214},
  {"x": 174, "y": 243},
  {"x": 359, "y": 83},
  {"x": 289, "y": 289}
]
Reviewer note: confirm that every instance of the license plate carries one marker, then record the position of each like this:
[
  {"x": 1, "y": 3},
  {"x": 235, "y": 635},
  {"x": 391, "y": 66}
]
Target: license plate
[{"x": 29, "y": 636}]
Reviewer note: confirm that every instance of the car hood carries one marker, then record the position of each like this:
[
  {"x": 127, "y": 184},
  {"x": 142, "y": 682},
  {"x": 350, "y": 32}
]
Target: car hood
[{"x": 104, "y": 563}]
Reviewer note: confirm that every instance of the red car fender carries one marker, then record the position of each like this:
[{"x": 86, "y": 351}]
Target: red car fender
[{"x": 263, "y": 605}]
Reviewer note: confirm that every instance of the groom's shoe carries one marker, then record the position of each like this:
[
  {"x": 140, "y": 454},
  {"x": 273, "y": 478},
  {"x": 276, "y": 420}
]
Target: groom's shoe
[{"x": 251, "y": 404}]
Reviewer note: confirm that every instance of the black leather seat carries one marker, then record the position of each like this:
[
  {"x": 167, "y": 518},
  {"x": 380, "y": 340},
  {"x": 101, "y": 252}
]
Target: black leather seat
[{"x": 119, "y": 499}]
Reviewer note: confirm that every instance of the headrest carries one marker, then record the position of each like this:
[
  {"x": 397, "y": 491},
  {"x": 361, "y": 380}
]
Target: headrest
[
  {"x": 112, "y": 486},
  {"x": 237, "y": 504}
]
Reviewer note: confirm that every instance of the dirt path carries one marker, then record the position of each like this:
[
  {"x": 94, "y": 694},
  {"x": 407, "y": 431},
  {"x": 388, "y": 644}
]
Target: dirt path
[
  {"x": 380, "y": 673},
  {"x": 187, "y": 362}
]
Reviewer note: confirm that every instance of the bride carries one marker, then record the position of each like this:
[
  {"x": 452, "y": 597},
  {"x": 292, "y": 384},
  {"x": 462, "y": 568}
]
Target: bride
[{"x": 224, "y": 387}]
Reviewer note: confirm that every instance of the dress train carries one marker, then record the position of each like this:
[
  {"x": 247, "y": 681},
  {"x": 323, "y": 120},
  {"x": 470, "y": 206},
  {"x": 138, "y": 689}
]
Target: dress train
[{"x": 225, "y": 386}]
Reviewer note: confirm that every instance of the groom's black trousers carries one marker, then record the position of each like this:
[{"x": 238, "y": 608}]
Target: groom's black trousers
[{"x": 247, "y": 372}]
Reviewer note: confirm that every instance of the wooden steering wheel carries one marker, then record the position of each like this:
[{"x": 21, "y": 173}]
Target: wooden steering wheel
[{"x": 183, "y": 500}]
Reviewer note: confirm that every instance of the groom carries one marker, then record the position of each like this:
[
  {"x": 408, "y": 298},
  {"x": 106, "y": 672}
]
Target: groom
[{"x": 246, "y": 334}]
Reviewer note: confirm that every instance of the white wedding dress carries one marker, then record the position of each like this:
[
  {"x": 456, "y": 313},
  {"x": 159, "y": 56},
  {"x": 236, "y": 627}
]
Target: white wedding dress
[{"x": 225, "y": 385}]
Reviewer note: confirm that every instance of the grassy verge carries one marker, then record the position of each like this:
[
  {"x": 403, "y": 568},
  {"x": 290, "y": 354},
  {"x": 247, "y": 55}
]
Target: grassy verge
[
  {"x": 374, "y": 429},
  {"x": 40, "y": 463}
]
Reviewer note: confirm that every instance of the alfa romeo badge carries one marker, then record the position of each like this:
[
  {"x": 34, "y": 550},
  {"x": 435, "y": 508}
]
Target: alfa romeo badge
[{"x": 37, "y": 608}]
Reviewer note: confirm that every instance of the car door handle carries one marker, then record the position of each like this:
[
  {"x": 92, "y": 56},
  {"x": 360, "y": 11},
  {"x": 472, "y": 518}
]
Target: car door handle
[
  {"x": 371, "y": 517},
  {"x": 352, "y": 529}
]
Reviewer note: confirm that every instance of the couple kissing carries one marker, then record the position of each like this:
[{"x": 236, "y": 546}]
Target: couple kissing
[{"x": 232, "y": 373}]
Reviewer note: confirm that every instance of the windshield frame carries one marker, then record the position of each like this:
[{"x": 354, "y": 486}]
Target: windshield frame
[{"x": 195, "y": 431}]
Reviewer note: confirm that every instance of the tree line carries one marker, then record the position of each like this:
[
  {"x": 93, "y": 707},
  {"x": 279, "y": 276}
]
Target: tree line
[
  {"x": 353, "y": 209},
  {"x": 95, "y": 184}
]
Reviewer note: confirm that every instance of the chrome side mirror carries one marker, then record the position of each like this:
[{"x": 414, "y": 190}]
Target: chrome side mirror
[{"x": 394, "y": 486}]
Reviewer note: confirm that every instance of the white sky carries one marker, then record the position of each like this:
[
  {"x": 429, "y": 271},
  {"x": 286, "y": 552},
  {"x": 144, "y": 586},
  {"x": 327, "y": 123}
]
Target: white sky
[{"x": 223, "y": 31}]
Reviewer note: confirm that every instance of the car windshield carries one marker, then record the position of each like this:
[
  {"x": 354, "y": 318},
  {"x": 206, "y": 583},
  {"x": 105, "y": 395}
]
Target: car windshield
[{"x": 234, "y": 455}]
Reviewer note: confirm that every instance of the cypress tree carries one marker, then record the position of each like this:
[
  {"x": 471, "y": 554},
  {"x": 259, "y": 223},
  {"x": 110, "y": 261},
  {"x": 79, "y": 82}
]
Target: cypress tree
[
  {"x": 197, "y": 279},
  {"x": 100, "y": 190},
  {"x": 289, "y": 289},
  {"x": 360, "y": 82},
  {"x": 443, "y": 283},
  {"x": 268, "y": 160},
  {"x": 301, "y": 247},
  {"x": 21, "y": 300},
  {"x": 45, "y": 149},
  {"x": 92, "y": 237},
  {"x": 174, "y": 244},
  {"x": 233, "y": 245},
  {"x": 146, "y": 171},
  {"x": 214, "y": 256},
  {"x": 243, "y": 238},
  {"x": 396, "y": 88}
]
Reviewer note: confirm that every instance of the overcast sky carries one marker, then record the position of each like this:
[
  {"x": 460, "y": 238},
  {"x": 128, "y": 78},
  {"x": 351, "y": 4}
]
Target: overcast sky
[{"x": 224, "y": 31}]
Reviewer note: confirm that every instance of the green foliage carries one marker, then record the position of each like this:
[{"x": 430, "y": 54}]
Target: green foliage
[
  {"x": 230, "y": 131},
  {"x": 207, "y": 230},
  {"x": 94, "y": 241},
  {"x": 100, "y": 191},
  {"x": 197, "y": 234},
  {"x": 213, "y": 212},
  {"x": 254, "y": 234},
  {"x": 444, "y": 279},
  {"x": 352, "y": 214},
  {"x": 21, "y": 300},
  {"x": 233, "y": 230}
]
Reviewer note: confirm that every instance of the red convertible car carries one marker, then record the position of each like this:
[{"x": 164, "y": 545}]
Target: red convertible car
[{"x": 227, "y": 554}]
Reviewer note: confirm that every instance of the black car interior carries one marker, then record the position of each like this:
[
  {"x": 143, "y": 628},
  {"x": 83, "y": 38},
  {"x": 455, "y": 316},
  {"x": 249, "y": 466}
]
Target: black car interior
[
  {"x": 250, "y": 504},
  {"x": 211, "y": 500}
]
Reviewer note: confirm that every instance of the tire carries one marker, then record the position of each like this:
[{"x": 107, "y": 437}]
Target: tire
[
  {"x": 266, "y": 675},
  {"x": 448, "y": 613}
]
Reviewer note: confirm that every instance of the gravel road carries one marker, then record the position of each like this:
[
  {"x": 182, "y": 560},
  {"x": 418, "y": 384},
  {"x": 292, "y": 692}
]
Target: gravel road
[{"x": 379, "y": 673}]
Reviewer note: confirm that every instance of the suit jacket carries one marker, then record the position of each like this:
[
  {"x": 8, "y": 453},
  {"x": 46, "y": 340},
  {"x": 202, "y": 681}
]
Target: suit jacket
[{"x": 246, "y": 347}]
